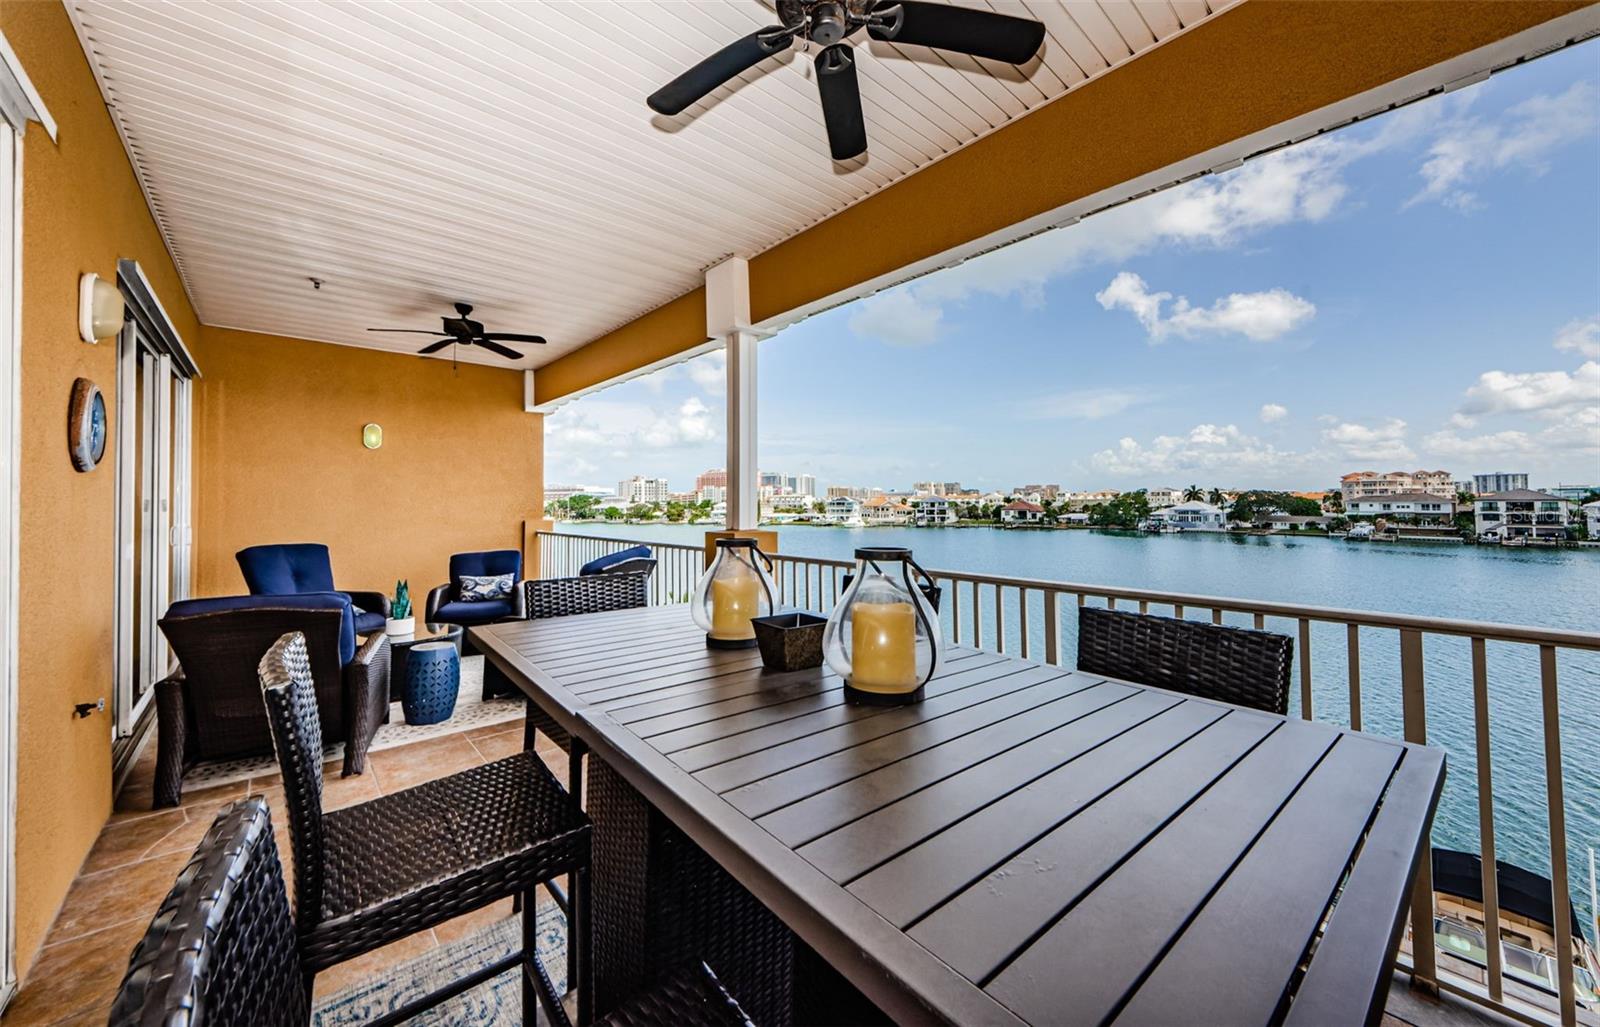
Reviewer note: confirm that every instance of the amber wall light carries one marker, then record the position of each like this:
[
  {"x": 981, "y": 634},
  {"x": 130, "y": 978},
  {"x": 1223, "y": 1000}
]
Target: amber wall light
[
  {"x": 100, "y": 310},
  {"x": 372, "y": 435}
]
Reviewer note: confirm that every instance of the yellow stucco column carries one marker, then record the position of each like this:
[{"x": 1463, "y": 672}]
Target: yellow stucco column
[
  {"x": 530, "y": 544},
  {"x": 767, "y": 540}
]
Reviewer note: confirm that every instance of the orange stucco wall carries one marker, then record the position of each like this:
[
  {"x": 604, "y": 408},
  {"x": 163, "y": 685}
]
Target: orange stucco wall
[
  {"x": 82, "y": 210},
  {"x": 1254, "y": 66},
  {"x": 278, "y": 458}
]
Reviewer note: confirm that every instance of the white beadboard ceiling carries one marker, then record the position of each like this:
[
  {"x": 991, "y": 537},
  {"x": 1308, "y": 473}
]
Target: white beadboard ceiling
[{"x": 413, "y": 154}]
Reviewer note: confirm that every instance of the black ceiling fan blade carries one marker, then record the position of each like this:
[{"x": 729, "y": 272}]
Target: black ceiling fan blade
[
  {"x": 495, "y": 347},
  {"x": 434, "y": 347},
  {"x": 721, "y": 66},
  {"x": 537, "y": 340},
  {"x": 841, "y": 102},
  {"x": 999, "y": 37},
  {"x": 408, "y": 331}
]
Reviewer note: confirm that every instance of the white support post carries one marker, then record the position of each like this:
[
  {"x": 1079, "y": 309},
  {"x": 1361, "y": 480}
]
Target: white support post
[
  {"x": 743, "y": 497},
  {"x": 728, "y": 319}
]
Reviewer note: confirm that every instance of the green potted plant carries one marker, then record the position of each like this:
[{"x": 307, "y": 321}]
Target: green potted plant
[{"x": 401, "y": 622}]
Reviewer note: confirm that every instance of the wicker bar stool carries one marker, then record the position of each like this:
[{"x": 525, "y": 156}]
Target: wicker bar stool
[
  {"x": 221, "y": 949},
  {"x": 1212, "y": 661},
  {"x": 399, "y": 864}
]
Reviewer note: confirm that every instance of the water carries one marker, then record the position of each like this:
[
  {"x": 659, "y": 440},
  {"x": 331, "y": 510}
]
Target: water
[{"x": 1531, "y": 586}]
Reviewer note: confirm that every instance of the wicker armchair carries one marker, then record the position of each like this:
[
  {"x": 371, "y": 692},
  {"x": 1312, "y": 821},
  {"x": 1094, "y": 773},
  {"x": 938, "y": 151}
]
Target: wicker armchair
[
  {"x": 564, "y": 597},
  {"x": 445, "y": 604},
  {"x": 374, "y": 873},
  {"x": 210, "y": 708},
  {"x": 1233, "y": 665},
  {"x": 221, "y": 949}
]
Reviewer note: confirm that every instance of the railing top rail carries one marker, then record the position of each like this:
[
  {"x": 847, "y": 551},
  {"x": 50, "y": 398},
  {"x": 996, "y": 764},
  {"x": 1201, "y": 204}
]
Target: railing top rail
[
  {"x": 624, "y": 541},
  {"x": 1487, "y": 630}
]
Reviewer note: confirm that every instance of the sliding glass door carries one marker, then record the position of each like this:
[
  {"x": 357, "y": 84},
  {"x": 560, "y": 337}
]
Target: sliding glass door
[{"x": 153, "y": 523}]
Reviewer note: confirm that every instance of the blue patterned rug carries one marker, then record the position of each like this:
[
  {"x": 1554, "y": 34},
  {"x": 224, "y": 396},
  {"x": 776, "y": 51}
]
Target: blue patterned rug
[{"x": 494, "y": 1003}]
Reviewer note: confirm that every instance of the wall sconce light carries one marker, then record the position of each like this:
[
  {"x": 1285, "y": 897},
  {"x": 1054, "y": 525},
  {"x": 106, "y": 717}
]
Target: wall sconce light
[
  {"x": 372, "y": 436},
  {"x": 100, "y": 308}
]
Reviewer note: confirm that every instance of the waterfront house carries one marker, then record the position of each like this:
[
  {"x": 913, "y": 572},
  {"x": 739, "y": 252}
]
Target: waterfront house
[
  {"x": 1522, "y": 514},
  {"x": 843, "y": 510},
  {"x": 933, "y": 511},
  {"x": 885, "y": 510},
  {"x": 1164, "y": 496},
  {"x": 1020, "y": 511},
  {"x": 1591, "y": 520},
  {"x": 1368, "y": 484},
  {"x": 1404, "y": 506},
  {"x": 1193, "y": 515},
  {"x": 204, "y": 209}
]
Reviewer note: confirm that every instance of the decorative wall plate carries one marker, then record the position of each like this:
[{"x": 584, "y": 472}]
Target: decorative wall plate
[{"x": 86, "y": 425}]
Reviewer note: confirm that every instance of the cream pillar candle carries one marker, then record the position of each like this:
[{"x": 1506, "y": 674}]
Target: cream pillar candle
[
  {"x": 883, "y": 647},
  {"x": 734, "y": 600}
]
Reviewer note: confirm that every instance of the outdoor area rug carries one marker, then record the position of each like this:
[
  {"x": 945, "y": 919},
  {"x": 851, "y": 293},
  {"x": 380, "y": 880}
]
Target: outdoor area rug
[
  {"x": 472, "y": 710},
  {"x": 494, "y": 1003}
]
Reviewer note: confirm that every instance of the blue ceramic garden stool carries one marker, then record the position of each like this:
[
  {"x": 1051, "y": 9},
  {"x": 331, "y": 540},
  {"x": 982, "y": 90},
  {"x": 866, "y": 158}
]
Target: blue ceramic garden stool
[{"x": 433, "y": 677}]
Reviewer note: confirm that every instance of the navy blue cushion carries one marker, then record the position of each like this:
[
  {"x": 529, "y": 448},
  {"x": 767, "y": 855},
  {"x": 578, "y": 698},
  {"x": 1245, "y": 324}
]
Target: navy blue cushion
[
  {"x": 612, "y": 559},
  {"x": 286, "y": 570},
  {"x": 486, "y": 611},
  {"x": 370, "y": 623},
  {"x": 307, "y": 601},
  {"x": 493, "y": 561}
]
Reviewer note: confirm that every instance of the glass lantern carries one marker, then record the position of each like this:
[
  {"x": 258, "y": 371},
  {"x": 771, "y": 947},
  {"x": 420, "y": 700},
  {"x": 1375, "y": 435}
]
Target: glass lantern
[
  {"x": 737, "y": 586},
  {"x": 883, "y": 636}
]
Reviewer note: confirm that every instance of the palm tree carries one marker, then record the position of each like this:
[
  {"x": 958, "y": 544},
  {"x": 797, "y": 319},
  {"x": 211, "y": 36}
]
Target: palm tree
[
  {"x": 1216, "y": 498},
  {"x": 1192, "y": 493}
]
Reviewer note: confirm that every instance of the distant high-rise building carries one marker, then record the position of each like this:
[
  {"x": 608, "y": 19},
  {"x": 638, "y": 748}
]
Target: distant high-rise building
[
  {"x": 1365, "y": 484},
  {"x": 712, "y": 493},
  {"x": 805, "y": 484},
  {"x": 771, "y": 479},
  {"x": 1498, "y": 481},
  {"x": 643, "y": 490},
  {"x": 715, "y": 478},
  {"x": 847, "y": 492}
]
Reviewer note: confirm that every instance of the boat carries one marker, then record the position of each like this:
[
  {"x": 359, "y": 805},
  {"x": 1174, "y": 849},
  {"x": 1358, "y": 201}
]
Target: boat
[
  {"x": 1359, "y": 533},
  {"x": 1527, "y": 939}
]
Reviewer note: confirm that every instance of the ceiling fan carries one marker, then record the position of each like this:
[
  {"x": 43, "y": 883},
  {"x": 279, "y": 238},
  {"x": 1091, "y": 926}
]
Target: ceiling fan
[
  {"x": 828, "y": 23},
  {"x": 464, "y": 331}
]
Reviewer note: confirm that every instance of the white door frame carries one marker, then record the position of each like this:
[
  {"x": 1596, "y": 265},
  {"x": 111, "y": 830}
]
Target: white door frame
[{"x": 19, "y": 104}]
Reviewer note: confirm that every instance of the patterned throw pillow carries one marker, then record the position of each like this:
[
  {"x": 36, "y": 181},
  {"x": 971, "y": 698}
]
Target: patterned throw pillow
[{"x": 479, "y": 588}]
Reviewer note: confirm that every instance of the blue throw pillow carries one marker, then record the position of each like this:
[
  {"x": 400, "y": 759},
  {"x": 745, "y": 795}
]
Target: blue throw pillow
[{"x": 479, "y": 588}]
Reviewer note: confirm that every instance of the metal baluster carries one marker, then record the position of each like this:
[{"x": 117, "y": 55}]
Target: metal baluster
[
  {"x": 977, "y": 616},
  {"x": 1111, "y": 602},
  {"x": 999, "y": 619},
  {"x": 1022, "y": 622},
  {"x": 1558, "y": 835},
  {"x": 1305, "y": 669},
  {"x": 1491, "y": 882},
  {"x": 1414, "y": 715},
  {"x": 1352, "y": 641},
  {"x": 1144, "y": 606},
  {"x": 955, "y": 611},
  {"x": 1052, "y": 631},
  {"x": 1261, "y": 621},
  {"x": 1177, "y": 610},
  {"x": 1216, "y": 615}
]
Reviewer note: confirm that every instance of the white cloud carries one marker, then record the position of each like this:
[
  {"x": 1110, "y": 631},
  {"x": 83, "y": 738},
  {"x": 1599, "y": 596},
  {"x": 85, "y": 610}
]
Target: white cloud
[
  {"x": 1217, "y": 450},
  {"x": 623, "y": 428},
  {"x": 898, "y": 318},
  {"x": 1580, "y": 336},
  {"x": 1262, "y": 316},
  {"x": 1545, "y": 393},
  {"x": 1085, "y": 404},
  {"x": 1271, "y": 412},
  {"x": 1578, "y": 432},
  {"x": 709, "y": 371},
  {"x": 1382, "y": 442},
  {"x": 1469, "y": 148}
]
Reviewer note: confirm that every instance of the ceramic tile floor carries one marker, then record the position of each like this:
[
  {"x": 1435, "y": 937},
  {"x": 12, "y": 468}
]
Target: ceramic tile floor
[{"x": 139, "y": 853}]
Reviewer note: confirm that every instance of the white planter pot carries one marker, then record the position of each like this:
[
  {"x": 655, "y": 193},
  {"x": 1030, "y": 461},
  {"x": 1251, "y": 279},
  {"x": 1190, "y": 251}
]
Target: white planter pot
[{"x": 408, "y": 626}]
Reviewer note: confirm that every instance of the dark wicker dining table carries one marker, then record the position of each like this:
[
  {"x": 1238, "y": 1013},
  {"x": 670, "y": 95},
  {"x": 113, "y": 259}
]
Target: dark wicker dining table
[{"x": 1030, "y": 844}]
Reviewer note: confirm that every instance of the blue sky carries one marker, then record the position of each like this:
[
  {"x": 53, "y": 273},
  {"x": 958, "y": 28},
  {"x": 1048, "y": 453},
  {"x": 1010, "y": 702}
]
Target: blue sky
[{"x": 1420, "y": 290}]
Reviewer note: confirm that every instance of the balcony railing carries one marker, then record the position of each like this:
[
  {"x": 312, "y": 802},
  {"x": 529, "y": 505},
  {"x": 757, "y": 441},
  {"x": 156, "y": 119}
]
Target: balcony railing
[{"x": 1023, "y": 617}]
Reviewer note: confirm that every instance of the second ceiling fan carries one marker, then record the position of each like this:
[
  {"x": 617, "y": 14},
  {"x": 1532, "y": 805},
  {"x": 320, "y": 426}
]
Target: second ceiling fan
[{"x": 999, "y": 37}]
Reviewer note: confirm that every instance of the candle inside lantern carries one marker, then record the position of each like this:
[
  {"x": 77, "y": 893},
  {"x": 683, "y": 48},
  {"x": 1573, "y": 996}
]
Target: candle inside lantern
[
  {"x": 734, "y": 600},
  {"x": 883, "y": 647}
]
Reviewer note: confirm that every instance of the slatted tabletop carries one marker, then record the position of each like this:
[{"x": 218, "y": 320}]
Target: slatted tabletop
[{"x": 1029, "y": 843}]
